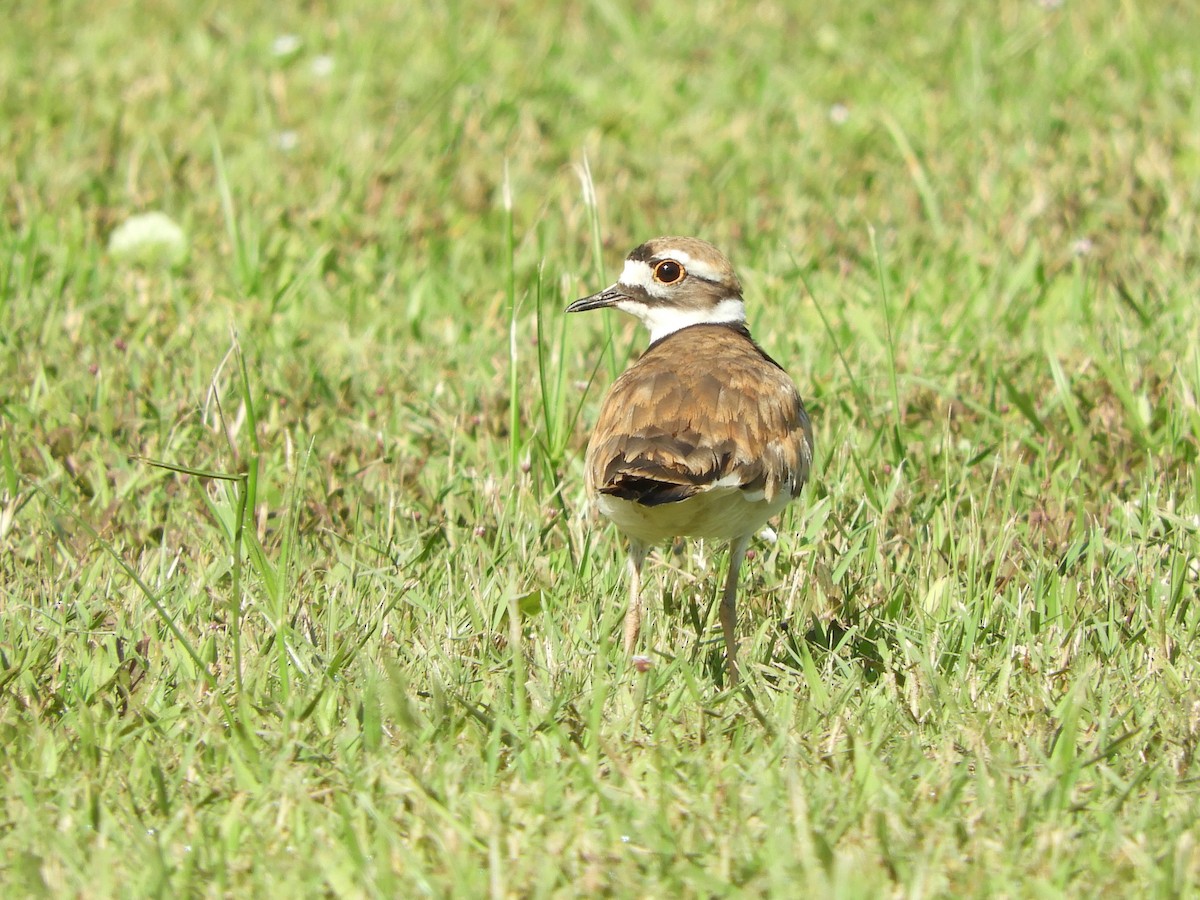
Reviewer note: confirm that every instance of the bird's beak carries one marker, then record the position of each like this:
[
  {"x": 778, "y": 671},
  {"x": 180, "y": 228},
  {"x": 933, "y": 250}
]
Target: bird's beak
[{"x": 610, "y": 296}]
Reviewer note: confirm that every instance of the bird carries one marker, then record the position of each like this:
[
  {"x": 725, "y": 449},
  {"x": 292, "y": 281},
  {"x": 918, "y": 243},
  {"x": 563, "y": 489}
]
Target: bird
[{"x": 704, "y": 435}]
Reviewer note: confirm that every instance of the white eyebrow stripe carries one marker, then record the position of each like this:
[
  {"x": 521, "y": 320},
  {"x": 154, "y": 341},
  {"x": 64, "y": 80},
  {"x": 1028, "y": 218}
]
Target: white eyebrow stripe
[
  {"x": 680, "y": 256},
  {"x": 702, "y": 270},
  {"x": 640, "y": 274},
  {"x": 694, "y": 266}
]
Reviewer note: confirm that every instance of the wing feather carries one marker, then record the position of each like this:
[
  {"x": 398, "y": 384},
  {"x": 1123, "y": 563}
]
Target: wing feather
[{"x": 698, "y": 410}]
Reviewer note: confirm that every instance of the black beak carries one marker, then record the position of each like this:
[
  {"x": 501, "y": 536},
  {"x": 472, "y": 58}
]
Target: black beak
[{"x": 610, "y": 296}]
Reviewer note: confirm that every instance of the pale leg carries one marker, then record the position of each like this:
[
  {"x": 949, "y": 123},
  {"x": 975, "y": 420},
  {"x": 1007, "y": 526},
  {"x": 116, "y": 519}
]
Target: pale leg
[
  {"x": 737, "y": 552},
  {"x": 633, "y": 615}
]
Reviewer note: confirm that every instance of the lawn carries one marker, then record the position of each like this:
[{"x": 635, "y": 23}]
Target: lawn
[{"x": 299, "y": 590}]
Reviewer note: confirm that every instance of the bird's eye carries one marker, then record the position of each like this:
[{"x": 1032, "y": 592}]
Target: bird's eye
[{"x": 668, "y": 272}]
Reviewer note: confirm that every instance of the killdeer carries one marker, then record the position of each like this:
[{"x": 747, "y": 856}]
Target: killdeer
[{"x": 704, "y": 435}]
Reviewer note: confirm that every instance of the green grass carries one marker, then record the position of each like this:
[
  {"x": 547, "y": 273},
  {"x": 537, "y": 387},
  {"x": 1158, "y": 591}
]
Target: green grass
[{"x": 368, "y": 642}]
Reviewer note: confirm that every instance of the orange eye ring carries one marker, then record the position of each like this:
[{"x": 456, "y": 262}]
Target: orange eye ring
[{"x": 669, "y": 272}]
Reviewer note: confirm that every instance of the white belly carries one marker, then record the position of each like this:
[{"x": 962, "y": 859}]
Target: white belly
[{"x": 718, "y": 514}]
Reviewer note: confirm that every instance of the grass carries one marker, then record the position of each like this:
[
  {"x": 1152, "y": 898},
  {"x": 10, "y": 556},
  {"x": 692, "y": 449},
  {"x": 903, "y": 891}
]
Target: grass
[{"x": 299, "y": 596}]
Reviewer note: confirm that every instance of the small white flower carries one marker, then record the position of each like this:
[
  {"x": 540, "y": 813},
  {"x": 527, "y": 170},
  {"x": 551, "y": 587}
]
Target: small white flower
[
  {"x": 769, "y": 535},
  {"x": 1179, "y": 78},
  {"x": 148, "y": 238},
  {"x": 322, "y": 66},
  {"x": 287, "y": 140},
  {"x": 642, "y": 663},
  {"x": 285, "y": 45},
  {"x": 828, "y": 38},
  {"x": 1082, "y": 247},
  {"x": 839, "y": 113}
]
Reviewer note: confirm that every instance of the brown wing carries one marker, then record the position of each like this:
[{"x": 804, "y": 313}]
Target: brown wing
[{"x": 702, "y": 407}]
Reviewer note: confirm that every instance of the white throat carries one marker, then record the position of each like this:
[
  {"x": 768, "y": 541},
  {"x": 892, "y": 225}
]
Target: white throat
[{"x": 665, "y": 319}]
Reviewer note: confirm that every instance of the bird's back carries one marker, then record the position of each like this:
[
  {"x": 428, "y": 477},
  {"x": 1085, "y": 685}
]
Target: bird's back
[{"x": 701, "y": 422}]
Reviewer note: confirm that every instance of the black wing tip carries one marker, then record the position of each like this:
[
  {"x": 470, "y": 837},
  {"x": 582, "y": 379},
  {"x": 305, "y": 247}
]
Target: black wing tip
[{"x": 647, "y": 491}]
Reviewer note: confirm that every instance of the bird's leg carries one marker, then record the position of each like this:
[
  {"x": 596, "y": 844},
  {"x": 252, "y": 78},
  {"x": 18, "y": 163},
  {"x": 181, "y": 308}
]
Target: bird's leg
[
  {"x": 633, "y": 615},
  {"x": 737, "y": 552}
]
